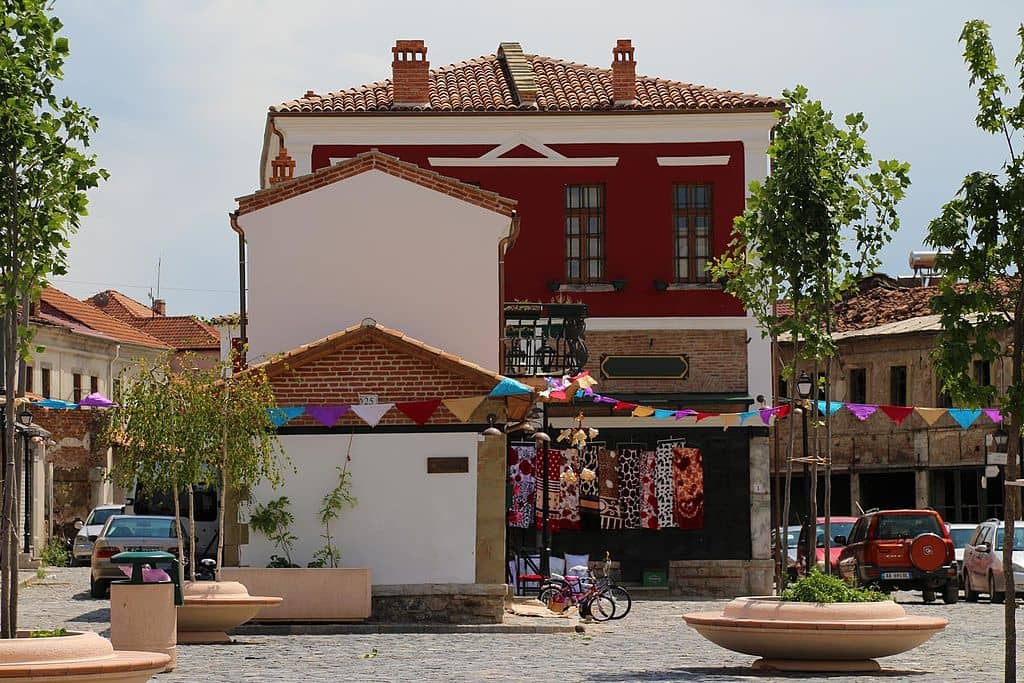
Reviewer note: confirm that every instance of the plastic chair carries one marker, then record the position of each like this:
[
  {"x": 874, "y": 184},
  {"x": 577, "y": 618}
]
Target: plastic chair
[{"x": 529, "y": 576}]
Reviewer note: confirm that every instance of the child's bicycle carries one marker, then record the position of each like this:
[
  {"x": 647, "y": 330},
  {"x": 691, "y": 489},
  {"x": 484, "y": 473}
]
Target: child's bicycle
[{"x": 598, "y": 598}]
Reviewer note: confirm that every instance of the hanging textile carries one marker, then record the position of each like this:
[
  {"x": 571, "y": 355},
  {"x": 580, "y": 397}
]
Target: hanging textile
[
  {"x": 648, "y": 497},
  {"x": 608, "y": 481},
  {"x": 521, "y": 478},
  {"x": 569, "y": 496},
  {"x": 555, "y": 462},
  {"x": 663, "y": 482},
  {"x": 590, "y": 490},
  {"x": 630, "y": 501},
  {"x": 688, "y": 484}
]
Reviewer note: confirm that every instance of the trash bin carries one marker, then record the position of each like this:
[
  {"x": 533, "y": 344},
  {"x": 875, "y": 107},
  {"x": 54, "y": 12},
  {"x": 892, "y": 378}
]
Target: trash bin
[{"x": 143, "y": 614}]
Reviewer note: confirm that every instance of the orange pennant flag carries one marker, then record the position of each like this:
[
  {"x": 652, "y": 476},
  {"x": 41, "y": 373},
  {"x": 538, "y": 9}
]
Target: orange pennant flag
[
  {"x": 463, "y": 408},
  {"x": 931, "y": 415},
  {"x": 643, "y": 411}
]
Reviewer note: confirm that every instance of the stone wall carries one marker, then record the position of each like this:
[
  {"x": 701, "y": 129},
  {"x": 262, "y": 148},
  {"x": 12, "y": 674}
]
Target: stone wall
[
  {"x": 439, "y": 603},
  {"x": 76, "y": 457},
  {"x": 720, "y": 578}
]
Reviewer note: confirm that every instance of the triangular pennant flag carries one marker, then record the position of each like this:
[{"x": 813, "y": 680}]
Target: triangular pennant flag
[
  {"x": 729, "y": 420},
  {"x": 584, "y": 380},
  {"x": 662, "y": 414},
  {"x": 747, "y": 415},
  {"x": 931, "y": 415},
  {"x": 643, "y": 411},
  {"x": 509, "y": 387},
  {"x": 419, "y": 411},
  {"x": 704, "y": 416},
  {"x": 56, "y": 404},
  {"x": 782, "y": 411},
  {"x": 993, "y": 414},
  {"x": 371, "y": 414},
  {"x": 832, "y": 407},
  {"x": 685, "y": 412},
  {"x": 897, "y": 413},
  {"x": 463, "y": 408},
  {"x": 282, "y": 416},
  {"x": 766, "y": 415},
  {"x": 964, "y": 417},
  {"x": 861, "y": 411},
  {"x": 623, "y": 405},
  {"x": 328, "y": 416}
]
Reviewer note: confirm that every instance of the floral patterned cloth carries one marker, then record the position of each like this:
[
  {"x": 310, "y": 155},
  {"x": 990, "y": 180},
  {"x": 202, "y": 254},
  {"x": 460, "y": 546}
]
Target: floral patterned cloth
[
  {"x": 648, "y": 498},
  {"x": 524, "y": 487},
  {"x": 688, "y": 481},
  {"x": 569, "y": 496}
]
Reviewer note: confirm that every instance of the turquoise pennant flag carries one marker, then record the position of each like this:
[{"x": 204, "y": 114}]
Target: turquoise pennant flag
[
  {"x": 509, "y": 387},
  {"x": 56, "y": 403},
  {"x": 749, "y": 414},
  {"x": 663, "y": 414},
  {"x": 964, "y": 416},
  {"x": 282, "y": 416},
  {"x": 832, "y": 407}
]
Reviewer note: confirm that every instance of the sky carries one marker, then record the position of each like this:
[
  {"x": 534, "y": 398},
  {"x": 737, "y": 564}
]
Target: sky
[{"x": 182, "y": 90}]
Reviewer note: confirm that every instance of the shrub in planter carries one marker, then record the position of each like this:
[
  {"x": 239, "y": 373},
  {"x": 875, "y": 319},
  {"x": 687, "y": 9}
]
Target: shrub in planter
[{"x": 825, "y": 588}]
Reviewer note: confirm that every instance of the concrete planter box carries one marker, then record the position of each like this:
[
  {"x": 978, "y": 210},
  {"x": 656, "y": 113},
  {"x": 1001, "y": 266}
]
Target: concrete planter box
[
  {"x": 326, "y": 594},
  {"x": 803, "y": 636},
  {"x": 78, "y": 656}
]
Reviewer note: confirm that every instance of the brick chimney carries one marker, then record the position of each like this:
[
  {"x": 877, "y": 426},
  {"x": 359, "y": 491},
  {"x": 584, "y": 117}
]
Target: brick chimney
[
  {"x": 623, "y": 73},
  {"x": 410, "y": 74},
  {"x": 159, "y": 306}
]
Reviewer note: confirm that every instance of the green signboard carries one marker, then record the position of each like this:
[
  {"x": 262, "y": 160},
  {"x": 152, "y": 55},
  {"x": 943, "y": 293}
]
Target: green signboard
[{"x": 645, "y": 367}]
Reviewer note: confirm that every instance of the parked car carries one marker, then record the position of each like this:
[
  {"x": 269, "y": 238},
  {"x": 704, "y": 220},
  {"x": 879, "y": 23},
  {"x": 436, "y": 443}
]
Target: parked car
[
  {"x": 839, "y": 529},
  {"x": 961, "y": 534},
  {"x": 124, "y": 533},
  {"x": 983, "y": 560},
  {"x": 81, "y": 549},
  {"x": 902, "y": 550}
]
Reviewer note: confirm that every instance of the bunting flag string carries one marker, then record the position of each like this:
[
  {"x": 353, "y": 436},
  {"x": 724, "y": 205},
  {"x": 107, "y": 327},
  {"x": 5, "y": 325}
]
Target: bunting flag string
[
  {"x": 372, "y": 413},
  {"x": 328, "y": 416},
  {"x": 419, "y": 411},
  {"x": 463, "y": 408},
  {"x": 861, "y": 411},
  {"x": 283, "y": 415}
]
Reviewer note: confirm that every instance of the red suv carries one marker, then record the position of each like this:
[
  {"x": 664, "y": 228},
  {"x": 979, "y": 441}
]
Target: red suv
[{"x": 902, "y": 550}]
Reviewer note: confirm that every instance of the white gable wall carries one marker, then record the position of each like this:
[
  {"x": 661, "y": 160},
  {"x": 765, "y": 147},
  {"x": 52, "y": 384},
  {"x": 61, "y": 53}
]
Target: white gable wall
[{"x": 375, "y": 246}]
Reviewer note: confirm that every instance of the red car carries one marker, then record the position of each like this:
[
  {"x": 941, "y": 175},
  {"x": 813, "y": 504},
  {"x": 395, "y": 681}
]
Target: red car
[{"x": 840, "y": 528}]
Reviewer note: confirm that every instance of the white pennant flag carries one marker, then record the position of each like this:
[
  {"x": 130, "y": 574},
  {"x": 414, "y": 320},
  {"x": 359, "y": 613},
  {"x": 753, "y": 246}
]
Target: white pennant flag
[{"x": 371, "y": 414}]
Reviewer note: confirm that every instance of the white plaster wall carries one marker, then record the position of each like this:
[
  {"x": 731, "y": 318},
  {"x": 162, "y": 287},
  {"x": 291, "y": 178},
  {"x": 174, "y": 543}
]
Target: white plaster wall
[
  {"x": 408, "y": 526},
  {"x": 375, "y": 246}
]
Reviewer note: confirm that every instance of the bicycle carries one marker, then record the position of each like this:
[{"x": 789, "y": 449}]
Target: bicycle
[
  {"x": 593, "y": 601},
  {"x": 557, "y": 585}
]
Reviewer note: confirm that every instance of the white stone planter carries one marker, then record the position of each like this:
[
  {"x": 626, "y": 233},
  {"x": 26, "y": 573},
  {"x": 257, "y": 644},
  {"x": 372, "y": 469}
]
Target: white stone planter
[
  {"x": 214, "y": 607},
  {"x": 310, "y": 594},
  {"x": 78, "y": 656},
  {"x": 802, "y": 636}
]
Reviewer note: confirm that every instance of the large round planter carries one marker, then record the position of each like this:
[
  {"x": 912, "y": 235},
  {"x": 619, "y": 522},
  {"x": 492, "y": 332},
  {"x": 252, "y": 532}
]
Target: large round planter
[
  {"x": 214, "y": 607},
  {"x": 804, "y": 636},
  {"x": 78, "y": 656}
]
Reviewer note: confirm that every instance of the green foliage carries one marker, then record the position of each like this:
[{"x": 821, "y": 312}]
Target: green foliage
[
  {"x": 274, "y": 520},
  {"x": 48, "y": 633},
  {"x": 55, "y": 554},
  {"x": 336, "y": 500},
  {"x": 825, "y": 588}
]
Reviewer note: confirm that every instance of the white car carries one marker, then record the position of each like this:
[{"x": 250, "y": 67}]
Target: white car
[
  {"x": 81, "y": 549},
  {"x": 983, "y": 560},
  {"x": 961, "y": 534}
]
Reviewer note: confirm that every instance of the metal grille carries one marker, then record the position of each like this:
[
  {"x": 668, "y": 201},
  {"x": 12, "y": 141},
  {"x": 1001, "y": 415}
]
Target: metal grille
[{"x": 544, "y": 339}]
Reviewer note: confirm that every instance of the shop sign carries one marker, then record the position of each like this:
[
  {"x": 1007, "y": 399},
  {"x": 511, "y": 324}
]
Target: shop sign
[{"x": 645, "y": 367}]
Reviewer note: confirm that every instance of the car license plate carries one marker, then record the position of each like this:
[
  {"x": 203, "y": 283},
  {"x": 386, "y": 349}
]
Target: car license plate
[
  {"x": 895, "y": 575},
  {"x": 141, "y": 548}
]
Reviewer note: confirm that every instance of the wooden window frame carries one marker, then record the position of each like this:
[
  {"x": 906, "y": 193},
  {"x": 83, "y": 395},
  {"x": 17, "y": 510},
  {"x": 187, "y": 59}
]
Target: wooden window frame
[
  {"x": 28, "y": 378},
  {"x": 981, "y": 371},
  {"x": 76, "y": 387},
  {"x": 893, "y": 385},
  {"x": 691, "y": 212},
  {"x": 584, "y": 213},
  {"x": 94, "y": 384},
  {"x": 864, "y": 395},
  {"x": 45, "y": 377}
]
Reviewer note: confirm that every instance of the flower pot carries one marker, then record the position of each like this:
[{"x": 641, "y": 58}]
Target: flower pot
[
  {"x": 77, "y": 656},
  {"x": 803, "y": 636},
  {"x": 310, "y": 594},
  {"x": 214, "y": 607}
]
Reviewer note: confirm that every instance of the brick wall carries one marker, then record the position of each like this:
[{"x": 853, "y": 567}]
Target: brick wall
[
  {"x": 371, "y": 367},
  {"x": 74, "y": 432},
  {"x": 718, "y": 359}
]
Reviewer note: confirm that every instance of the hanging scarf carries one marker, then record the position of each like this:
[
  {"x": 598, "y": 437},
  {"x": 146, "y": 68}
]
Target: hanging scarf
[
  {"x": 688, "y": 484},
  {"x": 608, "y": 483},
  {"x": 630, "y": 491}
]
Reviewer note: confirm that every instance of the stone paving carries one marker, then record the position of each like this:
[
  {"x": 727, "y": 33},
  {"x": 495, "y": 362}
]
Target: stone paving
[{"x": 651, "y": 644}]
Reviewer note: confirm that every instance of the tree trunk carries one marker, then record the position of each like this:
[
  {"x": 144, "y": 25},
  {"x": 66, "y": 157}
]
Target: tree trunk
[
  {"x": 8, "y": 562},
  {"x": 192, "y": 535},
  {"x": 812, "y": 504},
  {"x": 1012, "y": 499},
  {"x": 220, "y": 518},
  {"x": 787, "y": 496},
  {"x": 828, "y": 466},
  {"x": 177, "y": 532}
]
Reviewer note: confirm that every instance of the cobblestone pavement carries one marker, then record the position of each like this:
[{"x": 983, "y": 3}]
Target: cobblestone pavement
[{"x": 651, "y": 644}]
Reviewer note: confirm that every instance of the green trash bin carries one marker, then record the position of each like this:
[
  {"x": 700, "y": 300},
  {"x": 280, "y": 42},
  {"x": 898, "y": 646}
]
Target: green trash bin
[{"x": 143, "y": 616}]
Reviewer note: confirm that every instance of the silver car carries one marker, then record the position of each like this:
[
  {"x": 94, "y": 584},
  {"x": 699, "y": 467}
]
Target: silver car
[
  {"x": 961, "y": 534},
  {"x": 81, "y": 549},
  {"x": 983, "y": 560}
]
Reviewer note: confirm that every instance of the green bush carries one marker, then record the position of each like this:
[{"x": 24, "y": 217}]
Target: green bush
[
  {"x": 55, "y": 554},
  {"x": 824, "y": 588},
  {"x": 48, "y": 633}
]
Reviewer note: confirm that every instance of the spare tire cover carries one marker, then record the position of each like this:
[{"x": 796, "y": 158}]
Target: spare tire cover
[{"x": 928, "y": 552}]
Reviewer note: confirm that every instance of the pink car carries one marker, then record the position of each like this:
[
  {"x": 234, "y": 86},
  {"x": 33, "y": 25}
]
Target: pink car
[{"x": 840, "y": 530}]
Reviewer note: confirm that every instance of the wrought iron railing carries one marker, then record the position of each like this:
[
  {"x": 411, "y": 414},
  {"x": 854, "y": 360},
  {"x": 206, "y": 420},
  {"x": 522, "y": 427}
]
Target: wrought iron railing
[{"x": 544, "y": 339}]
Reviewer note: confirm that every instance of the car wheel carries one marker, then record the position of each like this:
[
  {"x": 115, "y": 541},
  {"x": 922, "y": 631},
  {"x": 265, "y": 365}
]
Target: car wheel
[
  {"x": 992, "y": 594},
  {"x": 928, "y": 595},
  {"x": 98, "y": 589},
  {"x": 951, "y": 593},
  {"x": 969, "y": 594}
]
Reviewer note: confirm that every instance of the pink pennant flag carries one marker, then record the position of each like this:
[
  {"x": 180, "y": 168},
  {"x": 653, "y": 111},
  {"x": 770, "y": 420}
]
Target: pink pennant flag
[
  {"x": 766, "y": 415},
  {"x": 993, "y": 414},
  {"x": 861, "y": 411},
  {"x": 328, "y": 416}
]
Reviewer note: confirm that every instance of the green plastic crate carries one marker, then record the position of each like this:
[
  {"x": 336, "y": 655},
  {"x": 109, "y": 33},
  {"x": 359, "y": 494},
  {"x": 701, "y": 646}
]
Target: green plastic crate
[{"x": 655, "y": 579}]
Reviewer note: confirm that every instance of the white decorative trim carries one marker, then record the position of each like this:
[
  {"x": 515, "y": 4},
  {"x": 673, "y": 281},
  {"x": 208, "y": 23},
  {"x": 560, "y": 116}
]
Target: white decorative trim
[
  {"x": 337, "y": 160},
  {"x": 721, "y": 160},
  {"x": 523, "y": 161},
  {"x": 739, "y": 322},
  {"x": 591, "y": 287},
  {"x": 693, "y": 286}
]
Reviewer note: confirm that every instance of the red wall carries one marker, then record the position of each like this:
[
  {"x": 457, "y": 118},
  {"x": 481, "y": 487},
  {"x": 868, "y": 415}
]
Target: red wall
[{"x": 638, "y": 218}]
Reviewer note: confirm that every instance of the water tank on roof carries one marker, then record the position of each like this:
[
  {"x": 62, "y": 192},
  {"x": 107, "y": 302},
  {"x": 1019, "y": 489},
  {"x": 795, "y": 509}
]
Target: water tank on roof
[{"x": 925, "y": 260}]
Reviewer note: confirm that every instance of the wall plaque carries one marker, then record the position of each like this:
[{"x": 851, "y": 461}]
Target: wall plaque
[
  {"x": 645, "y": 367},
  {"x": 447, "y": 465}
]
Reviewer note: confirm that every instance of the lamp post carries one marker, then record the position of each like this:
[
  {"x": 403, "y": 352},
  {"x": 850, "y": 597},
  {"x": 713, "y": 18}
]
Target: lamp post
[
  {"x": 25, "y": 418},
  {"x": 803, "y": 387},
  {"x": 542, "y": 439}
]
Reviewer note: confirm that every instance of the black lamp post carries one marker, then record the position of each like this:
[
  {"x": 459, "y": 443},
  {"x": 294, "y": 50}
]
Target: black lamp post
[
  {"x": 542, "y": 439},
  {"x": 25, "y": 418},
  {"x": 803, "y": 387}
]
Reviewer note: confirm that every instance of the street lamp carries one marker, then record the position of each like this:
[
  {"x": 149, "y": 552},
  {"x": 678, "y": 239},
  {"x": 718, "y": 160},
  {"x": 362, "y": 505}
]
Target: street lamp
[
  {"x": 542, "y": 439},
  {"x": 803, "y": 387}
]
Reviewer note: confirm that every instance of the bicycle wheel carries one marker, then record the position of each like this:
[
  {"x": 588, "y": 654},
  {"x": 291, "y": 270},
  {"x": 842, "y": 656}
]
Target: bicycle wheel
[
  {"x": 620, "y": 596},
  {"x": 548, "y": 591},
  {"x": 601, "y": 607}
]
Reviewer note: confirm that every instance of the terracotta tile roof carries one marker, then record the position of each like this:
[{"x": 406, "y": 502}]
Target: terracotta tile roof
[
  {"x": 482, "y": 85},
  {"x": 180, "y": 331},
  {"x": 312, "y": 351},
  {"x": 884, "y": 303},
  {"x": 62, "y": 307},
  {"x": 120, "y": 306},
  {"x": 376, "y": 161}
]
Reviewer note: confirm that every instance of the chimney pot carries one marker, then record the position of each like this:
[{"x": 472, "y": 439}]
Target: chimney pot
[
  {"x": 410, "y": 74},
  {"x": 160, "y": 306},
  {"x": 623, "y": 73}
]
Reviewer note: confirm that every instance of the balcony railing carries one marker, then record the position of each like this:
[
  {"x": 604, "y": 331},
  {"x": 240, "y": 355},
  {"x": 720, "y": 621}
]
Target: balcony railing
[{"x": 544, "y": 339}]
